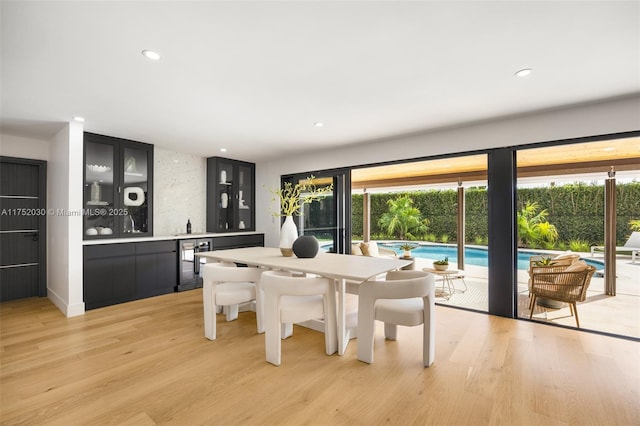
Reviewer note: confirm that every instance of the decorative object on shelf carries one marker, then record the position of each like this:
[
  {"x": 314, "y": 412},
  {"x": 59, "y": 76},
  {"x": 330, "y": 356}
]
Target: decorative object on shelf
[
  {"x": 130, "y": 165},
  {"x": 223, "y": 176},
  {"x": 292, "y": 198},
  {"x": 129, "y": 224},
  {"x": 133, "y": 196},
  {"x": 106, "y": 231},
  {"x": 288, "y": 235},
  {"x": 224, "y": 200},
  {"x": 441, "y": 265},
  {"x": 306, "y": 246},
  {"x": 96, "y": 168},
  {"x": 188, "y": 226},
  {"x": 407, "y": 250},
  {"x": 91, "y": 231},
  {"x": 240, "y": 199},
  {"x": 241, "y": 225},
  {"x": 96, "y": 192}
]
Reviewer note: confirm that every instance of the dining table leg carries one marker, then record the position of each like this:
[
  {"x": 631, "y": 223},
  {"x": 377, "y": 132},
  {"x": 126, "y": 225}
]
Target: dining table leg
[{"x": 343, "y": 339}]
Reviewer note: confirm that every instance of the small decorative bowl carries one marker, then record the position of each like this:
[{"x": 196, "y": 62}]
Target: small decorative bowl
[{"x": 440, "y": 267}]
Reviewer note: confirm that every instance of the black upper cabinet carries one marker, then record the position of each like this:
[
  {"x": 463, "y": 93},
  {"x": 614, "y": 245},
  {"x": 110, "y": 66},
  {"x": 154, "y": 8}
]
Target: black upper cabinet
[
  {"x": 230, "y": 195},
  {"x": 118, "y": 188}
]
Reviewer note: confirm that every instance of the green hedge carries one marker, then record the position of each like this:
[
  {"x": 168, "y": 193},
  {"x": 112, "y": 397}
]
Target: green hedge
[{"x": 577, "y": 211}]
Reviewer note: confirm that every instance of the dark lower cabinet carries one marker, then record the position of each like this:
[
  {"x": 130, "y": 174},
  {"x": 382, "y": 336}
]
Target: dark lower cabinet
[
  {"x": 238, "y": 241},
  {"x": 122, "y": 272},
  {"x": 109, "y": 274},
  {"x": 156, "y": 268},
  {"x": 117, "y": 273}
]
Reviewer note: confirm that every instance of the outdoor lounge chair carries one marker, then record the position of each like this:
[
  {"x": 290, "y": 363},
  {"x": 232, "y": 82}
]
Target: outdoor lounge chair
[
  {"x": 568, "y": 285},
  {"x": 632, "y": 245}
]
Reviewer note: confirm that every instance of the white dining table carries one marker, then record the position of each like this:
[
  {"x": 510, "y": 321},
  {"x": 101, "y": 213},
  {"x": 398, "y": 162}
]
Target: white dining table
[{"x": 339, "y": 267}]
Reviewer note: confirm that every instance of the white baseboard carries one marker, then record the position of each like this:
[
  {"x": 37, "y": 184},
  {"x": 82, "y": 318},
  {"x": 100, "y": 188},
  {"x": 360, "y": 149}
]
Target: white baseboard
[{"x": 68, "y": 311}]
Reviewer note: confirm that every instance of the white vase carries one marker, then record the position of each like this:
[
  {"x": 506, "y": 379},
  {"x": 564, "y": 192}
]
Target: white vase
[{"x": 288, "y": 234}]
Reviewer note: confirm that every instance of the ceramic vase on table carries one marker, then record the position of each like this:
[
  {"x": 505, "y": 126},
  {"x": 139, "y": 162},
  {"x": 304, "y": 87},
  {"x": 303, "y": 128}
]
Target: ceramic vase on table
[{"x": 288, "y": 235}]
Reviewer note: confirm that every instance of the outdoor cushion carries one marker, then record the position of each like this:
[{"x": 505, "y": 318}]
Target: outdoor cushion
[
  {"x": 365, "y": 249},
  {"x": 373, "y": 248},
  {"x": 565, "y": 255},
  {"x": 578, "y": 266},
  {"x": 355, "y": 249}
]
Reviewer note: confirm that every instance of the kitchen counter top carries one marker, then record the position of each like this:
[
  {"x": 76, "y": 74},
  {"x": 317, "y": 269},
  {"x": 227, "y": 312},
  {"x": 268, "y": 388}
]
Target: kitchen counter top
[{"x": 164, "y": 238}]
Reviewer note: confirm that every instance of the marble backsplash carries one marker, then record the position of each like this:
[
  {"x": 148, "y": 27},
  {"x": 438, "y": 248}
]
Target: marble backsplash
[{"x": 180, "y": 192}]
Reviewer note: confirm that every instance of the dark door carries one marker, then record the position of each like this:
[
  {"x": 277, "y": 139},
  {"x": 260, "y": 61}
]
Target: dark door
[
  {"x": 328, "y": 219},
  {"x": 22, "y": 228}
]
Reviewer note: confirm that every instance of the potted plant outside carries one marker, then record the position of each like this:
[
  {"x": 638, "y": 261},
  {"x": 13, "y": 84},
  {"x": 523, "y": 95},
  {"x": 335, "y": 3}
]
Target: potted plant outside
[
  {"x": 407, "y": 250},
  {"x": 441, "y": 265}
]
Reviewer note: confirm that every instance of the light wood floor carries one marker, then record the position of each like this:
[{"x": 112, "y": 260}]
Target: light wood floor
[{"x": 147, "y": 362}]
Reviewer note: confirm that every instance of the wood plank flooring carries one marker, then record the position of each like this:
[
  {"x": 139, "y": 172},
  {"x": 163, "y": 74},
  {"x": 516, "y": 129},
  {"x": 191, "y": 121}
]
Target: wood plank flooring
[{"x": 148, "y": 363}]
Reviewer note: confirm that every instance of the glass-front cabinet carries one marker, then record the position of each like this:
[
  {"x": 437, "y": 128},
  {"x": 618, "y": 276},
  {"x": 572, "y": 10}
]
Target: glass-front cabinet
[
  {"x": 118, "y": 187},
  {"x": 230, "y": 195}
]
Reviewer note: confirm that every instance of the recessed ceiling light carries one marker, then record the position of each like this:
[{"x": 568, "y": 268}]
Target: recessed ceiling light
[
  {"x": 318, "y": 124},
  {"x": 79, "y": 119},
  {"x": 223, "y": 149},
  {"x": 523, "y": 72},
  {"x": 150, "y": 54},
  {"x": 609, "y": 149}
]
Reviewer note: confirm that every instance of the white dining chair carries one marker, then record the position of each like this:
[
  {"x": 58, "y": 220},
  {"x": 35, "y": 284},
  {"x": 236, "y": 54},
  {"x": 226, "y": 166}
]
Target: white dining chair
[
  {"x": 402, "y": 298},
  {"x": 291, "y": 299},
  {"x": 225, "y": 285}
]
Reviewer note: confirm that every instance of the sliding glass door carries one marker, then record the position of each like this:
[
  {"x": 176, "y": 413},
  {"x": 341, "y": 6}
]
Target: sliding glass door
[{"x": 327, "y": 218}]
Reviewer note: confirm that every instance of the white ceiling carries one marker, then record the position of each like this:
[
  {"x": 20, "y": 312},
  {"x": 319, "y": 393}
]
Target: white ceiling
[{"x": 253, "y": 77}]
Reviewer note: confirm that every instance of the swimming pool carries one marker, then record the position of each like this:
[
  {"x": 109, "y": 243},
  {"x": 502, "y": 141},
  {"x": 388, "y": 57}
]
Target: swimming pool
[{"x": 472, "y": 255}]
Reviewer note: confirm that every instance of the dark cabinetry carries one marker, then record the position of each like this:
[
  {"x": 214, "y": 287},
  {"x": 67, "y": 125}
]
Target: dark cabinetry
[
  {"x": 230, "y": 195},
  {"x": 116, "y": 273},
  {"x": 118, "y": 187},
  {"x": 121, "y": 272}
]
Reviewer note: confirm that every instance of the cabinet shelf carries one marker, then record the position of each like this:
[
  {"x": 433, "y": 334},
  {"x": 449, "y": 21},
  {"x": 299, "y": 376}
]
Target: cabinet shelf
[
  {"x": 232, "y": 181},
  {"x": 118, "y": 175}
]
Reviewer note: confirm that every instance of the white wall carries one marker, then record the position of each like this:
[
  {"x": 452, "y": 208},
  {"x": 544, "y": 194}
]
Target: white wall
[
  {"x": 179, "y": 192},
  {"x": 21, "y": 147},
  {"x": 64, "y": 224},
  {"x": 588, "y": 120}
]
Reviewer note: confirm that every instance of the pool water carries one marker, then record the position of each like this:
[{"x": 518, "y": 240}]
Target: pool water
[{"x": 472, "y": 255}]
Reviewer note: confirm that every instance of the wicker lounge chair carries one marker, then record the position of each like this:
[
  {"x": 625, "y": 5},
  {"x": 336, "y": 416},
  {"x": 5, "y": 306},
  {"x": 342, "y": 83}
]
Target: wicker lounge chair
[{"x": 567, "y": 285}]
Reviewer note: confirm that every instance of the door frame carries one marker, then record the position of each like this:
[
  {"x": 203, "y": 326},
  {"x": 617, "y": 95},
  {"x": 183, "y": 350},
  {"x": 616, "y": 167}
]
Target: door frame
[
  {"x": 42, "y": 219},
  {"x": 342, "y": 198}
]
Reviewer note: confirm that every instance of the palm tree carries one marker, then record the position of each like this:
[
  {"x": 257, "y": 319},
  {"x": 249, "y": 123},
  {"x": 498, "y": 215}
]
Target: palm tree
[
  {"x": 403, "y": 219},
  {"x": 533, "y": 227}
]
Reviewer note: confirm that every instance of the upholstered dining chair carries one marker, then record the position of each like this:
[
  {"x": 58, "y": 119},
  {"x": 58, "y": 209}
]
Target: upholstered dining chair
[
  {"x": 403, "y": 298},
  {"x": 293, "y": 299},
  {"x": 568, "y": 285},
  {"x": 226, "y": 285}
]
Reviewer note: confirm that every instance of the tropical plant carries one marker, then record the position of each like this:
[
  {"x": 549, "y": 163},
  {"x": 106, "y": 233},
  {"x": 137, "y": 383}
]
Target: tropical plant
[
  {"x": 444, "y": 238},
  {"x": 293, "y": 197},
  {"x": 403, "y": 220},
  {"x": 545, "y": 261},
  {"x": 634, "y": 224},
  {"x": 533, "y": 228},
  {"x": 579, "y": 246},
  {"x": 444, "y": 261},
  {"x": 430, "y": 237},
  {"x": 407, "y": 247}
]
